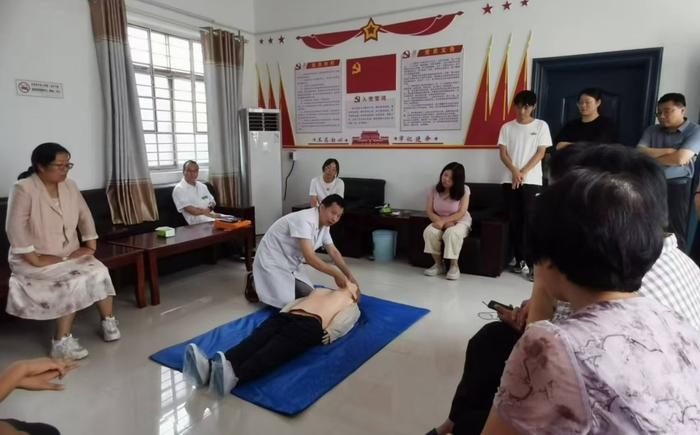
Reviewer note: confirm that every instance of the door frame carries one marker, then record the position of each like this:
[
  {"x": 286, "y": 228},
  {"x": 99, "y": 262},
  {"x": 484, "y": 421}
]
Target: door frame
[{"x": 649, "y": 58}]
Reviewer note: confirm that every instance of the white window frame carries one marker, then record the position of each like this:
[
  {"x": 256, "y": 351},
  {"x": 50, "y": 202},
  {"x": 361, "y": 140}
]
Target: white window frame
[{"x": 171, "y": 75}]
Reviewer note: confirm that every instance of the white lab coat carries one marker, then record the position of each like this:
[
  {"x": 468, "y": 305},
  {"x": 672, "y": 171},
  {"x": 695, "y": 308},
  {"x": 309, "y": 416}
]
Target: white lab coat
[{"x": 278, "y": 259}]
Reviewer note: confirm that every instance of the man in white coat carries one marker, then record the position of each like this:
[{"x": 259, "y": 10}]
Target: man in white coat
[
  {"x": 278, "y": 274},
  {"x": 192, "y": 198}
]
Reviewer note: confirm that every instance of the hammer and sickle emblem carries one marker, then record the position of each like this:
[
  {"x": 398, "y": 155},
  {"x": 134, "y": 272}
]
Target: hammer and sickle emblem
[{"x": 356, "y": 68}]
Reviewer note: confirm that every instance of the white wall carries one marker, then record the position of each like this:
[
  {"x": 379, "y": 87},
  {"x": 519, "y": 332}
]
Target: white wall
[
  {"x": 52, "y": 40},
  {"x": 273, "y": 15},
  {"x": 560, "y": 27}
]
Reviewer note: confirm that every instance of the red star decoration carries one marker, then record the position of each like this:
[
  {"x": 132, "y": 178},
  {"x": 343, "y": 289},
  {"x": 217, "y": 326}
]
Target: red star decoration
[
  {"x": 506, "y": 6},
  {"x": 262, "y": 41},
  {"x": 270, "y": 40},
  {"x": 487, "y": 9},
  {"x": 281, "y": 39},
  {"x": 371, "y": 30},
  {"x": 524, "y": 2}
]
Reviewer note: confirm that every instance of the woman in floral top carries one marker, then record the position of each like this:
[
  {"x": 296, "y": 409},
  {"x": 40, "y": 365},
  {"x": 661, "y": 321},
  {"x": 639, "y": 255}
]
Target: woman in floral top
[{"x": 622, "y": 363}]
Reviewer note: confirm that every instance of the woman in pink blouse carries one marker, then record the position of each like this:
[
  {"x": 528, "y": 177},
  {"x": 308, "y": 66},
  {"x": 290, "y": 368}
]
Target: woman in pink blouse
[
  {"x": 450, "y": 221},
  {"x": 53, "y": 276},
  {"x": 621, "y": 363}
]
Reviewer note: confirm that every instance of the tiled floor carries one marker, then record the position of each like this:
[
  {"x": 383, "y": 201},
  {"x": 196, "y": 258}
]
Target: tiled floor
[{"x": 404, "y": 389}]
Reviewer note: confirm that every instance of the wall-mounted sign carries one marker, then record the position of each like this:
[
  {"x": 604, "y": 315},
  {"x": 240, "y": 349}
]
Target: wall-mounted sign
[{"x": 36, "y": 88}]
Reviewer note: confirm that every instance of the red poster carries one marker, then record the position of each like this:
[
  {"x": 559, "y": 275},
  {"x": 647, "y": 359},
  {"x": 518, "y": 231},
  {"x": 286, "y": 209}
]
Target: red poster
[{"x": 371, "y": 74}]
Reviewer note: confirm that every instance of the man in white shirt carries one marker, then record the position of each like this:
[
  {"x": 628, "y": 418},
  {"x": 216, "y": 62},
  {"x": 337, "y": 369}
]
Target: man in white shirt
[
  {"x": 522, "y": 143},
  {"x": 192, "y": 198},
  {"x": 278, "y": 273}
]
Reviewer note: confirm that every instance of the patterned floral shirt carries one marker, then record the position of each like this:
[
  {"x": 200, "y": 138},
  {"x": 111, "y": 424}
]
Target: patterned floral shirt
[{"x": 629, "y": 366}]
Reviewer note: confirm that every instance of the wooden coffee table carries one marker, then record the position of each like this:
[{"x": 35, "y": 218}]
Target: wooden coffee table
[
  {"x": 116, "y": 257},
  {"x": 187, "y": 238}
]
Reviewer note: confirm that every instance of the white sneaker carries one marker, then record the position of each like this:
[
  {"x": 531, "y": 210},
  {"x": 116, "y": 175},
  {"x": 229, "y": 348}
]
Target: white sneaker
[
  {"x": 110, "y": 329},
  {"x": 196, "y": 368},
  {"x": 222, "y": 379},
  {"x": 67, "y": 348},
  {"x": 434, "y": 270},
  {"x": 453, "y": 273}
]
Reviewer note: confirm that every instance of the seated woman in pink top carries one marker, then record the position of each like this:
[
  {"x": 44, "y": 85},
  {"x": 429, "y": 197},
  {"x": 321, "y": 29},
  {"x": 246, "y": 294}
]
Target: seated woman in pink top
[
  {"x": 450, "y": 221},
  {"x": 52, "y": 241}
]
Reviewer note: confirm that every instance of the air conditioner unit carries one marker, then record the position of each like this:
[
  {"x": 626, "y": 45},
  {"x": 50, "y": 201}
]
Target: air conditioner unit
[{"x": 261, "y": 141}]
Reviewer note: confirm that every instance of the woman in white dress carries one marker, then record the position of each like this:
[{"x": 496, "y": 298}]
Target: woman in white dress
[
  {"x": 53, "y": 276},
  {"x": 327, "y": 184}
]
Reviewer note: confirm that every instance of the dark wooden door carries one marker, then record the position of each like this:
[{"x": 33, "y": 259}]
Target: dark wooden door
[{"x": 629, "y": 80}]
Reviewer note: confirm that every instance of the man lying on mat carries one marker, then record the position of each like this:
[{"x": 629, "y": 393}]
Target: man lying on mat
[{"x": 319, "y": 318}]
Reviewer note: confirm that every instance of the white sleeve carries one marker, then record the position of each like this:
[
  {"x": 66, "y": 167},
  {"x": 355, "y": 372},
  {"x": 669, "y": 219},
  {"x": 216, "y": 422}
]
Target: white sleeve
[
  {"x": 543, "y": 136},
  {"x": 340, "y": 188},
  {"x": 503, "y": 135},
  {"x": 312, "y": 188},
  {"x": 327, "y": 239},
  {"x": 299, "y": 226},
  {"x": 179, "y": 199}
]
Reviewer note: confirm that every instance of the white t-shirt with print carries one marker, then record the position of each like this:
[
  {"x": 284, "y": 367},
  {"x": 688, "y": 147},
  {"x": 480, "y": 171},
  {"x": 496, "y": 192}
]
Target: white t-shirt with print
[
  {"x": 320, "y": 189},
  {"x": 522, "y": 141}
]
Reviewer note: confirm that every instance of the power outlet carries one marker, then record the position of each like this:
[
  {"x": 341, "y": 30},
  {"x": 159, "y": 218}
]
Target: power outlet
[{"x": 292, "y": 155}]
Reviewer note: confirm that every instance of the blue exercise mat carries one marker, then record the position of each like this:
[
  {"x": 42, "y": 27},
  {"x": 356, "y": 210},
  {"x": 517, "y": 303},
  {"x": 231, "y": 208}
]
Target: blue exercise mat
[{"x": 296, "y": 385}]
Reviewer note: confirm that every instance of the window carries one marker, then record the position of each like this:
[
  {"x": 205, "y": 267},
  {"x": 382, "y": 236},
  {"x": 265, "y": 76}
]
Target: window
[{"x": 169, "y": 74}]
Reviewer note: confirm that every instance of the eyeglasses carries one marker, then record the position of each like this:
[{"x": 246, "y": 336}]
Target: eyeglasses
[{"x": 64, "y": 167}]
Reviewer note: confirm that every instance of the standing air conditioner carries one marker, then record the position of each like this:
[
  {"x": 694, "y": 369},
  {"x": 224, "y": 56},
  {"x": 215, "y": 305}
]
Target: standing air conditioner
[{"x": 260, "y": 137}]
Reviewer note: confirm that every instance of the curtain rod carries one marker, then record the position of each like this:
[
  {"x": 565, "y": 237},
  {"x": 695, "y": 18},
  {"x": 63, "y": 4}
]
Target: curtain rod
[
  {"x": 363, "y": 17},
  {"x": 185, "y": 13}
]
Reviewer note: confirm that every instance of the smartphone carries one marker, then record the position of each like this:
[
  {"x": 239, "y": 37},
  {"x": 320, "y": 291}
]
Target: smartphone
[{"x": 494, "y": 304}]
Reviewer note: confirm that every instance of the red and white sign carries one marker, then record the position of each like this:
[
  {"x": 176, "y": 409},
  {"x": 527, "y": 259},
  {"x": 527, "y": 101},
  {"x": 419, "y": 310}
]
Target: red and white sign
[
  {"x": 318, "y": 97},
  {"x": 431, "y": 89},
  {"x": 371, "y": 74}
]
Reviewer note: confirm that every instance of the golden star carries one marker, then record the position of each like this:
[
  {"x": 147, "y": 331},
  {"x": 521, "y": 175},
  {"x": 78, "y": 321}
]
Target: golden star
[{"x": 371, "y": 30}]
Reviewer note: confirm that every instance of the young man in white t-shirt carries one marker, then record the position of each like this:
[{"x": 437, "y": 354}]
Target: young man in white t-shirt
[{"x": 522, "y": 143}]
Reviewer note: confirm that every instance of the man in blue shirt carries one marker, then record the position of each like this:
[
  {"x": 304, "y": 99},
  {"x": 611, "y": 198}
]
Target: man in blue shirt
[{"x": 674, "y": 143}]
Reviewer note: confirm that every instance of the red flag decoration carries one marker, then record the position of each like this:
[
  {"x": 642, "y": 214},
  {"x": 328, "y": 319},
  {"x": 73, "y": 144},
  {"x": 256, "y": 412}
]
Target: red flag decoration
[
  {"x": 371, "y": 31},
  {"x": 371, "y": 74},
  {"x": 480, "y": 113},
  {"x": 272, "y": 104},
  {"x": 287, "y": 130},
  {"x": 500, "y": 106},
  {"x": 261, "y": 97},
  {"x": 486, "y": 122},
  {"x": 521, "y": 84}
]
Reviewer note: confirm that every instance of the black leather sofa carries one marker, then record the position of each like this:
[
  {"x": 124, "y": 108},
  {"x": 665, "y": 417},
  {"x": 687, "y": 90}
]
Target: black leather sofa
[
  {"x": 485, "y": 249},
  {"x": 97, "y": 202}
]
